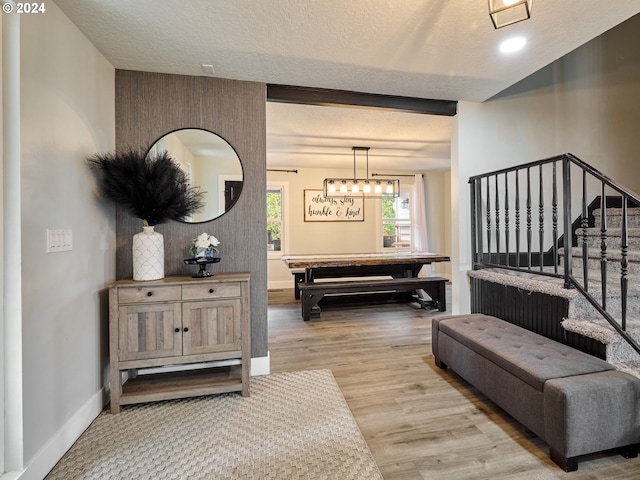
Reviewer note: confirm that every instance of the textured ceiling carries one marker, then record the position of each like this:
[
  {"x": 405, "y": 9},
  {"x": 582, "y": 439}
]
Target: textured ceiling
[
  {"x": 316, "y": 135},
  {"x": 419, "y": 48}
]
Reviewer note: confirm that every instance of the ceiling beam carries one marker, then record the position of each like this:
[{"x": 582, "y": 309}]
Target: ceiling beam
[{"x": 343, "y": 98}]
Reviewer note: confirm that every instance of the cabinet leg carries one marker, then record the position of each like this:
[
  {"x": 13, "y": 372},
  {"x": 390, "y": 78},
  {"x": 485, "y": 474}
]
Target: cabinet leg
[
  {"x": 116, "y": 389},
  {"x": 246, "y": 373},
  {"x": 115, "y": 407}
]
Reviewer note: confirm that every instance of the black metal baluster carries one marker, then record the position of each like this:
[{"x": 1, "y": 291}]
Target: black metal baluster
[
  {"x": 528, "y": 218},
  {"x": 624, "y": 264},
  {"x": 517, "y": 218},
  {"x": 489, "y": 259},
  {"x": 603, "y": 247},
  {"x": 497, "y": 209},
  {"x": 541, "y": 220},
  {"x": 554, "y": 220},
  {"x": 584, "y": 223},
  {"x": 506, "y": 217}
]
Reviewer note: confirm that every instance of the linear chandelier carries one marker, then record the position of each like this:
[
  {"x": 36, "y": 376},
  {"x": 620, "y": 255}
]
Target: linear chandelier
[
  {"x": 507, "y": 12},
  {"x": 361, "y": 187}
]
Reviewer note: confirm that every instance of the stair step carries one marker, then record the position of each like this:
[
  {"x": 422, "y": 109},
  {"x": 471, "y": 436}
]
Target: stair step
[
  {"x": 614, "y": 257},
  {"x": 614, "y": 236},
  {"x": 631, "y": 367},
  {"x": 582, "y": 308},
  {"x": 614, "y": 217},
  {"x": 617, "y": 349}
]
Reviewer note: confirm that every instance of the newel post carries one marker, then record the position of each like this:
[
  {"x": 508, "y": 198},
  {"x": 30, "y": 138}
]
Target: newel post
[
  {"x": 472, "y": 197},
  {"x": 566, "y": 205}
]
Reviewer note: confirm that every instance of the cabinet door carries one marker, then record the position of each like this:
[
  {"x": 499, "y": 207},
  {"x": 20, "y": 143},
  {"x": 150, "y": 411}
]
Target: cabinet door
[
  {"x": 149, "y": 331},
  {"x": 211, "y": 326}
]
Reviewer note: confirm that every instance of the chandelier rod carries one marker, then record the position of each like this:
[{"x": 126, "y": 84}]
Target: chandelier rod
[
  {"x": 394, "y": 174},
  {"x": 366, "y": 149}
]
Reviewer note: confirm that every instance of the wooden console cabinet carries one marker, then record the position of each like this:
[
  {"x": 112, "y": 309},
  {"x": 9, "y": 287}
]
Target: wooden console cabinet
[{"x": 184, "y": 322}]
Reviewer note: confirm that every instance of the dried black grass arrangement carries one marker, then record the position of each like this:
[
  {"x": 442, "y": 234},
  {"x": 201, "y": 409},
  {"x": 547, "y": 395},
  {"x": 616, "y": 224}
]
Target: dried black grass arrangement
[{"x": 153, "y": 188}]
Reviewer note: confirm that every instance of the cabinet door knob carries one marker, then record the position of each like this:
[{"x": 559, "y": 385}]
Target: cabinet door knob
[
  {"x": 149, "y": 294},
  {"x": 211, "y": 290},
  {"x": 176, "y": 330},
  {"x": 186, "y": 329}
]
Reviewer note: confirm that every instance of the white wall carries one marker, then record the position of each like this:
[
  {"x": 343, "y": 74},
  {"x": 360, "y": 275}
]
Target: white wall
[
  {"x": 67, "y": 112},
  {"x": 6, "y": 113},
  {"x": 587, "y": 103},
  {"x": 437, "y": 186}
]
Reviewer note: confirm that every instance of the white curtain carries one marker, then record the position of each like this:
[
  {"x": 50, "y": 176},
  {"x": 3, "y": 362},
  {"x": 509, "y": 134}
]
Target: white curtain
[{"x": 420, "y": 241}]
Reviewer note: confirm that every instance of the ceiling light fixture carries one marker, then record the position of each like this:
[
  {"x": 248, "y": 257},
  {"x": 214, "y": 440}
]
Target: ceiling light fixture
[
  {"x": 361, "y": 187},
  {"x": 508, "y": 12}
]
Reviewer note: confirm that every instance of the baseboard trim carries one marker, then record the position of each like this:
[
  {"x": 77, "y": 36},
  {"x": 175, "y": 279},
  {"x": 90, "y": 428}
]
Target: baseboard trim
[
  {"x": 62, "y": 440},
  {"x": 280, "y": 284},
  {"x": 11, "y": 475},
  {"x": 260, "y": 366}
]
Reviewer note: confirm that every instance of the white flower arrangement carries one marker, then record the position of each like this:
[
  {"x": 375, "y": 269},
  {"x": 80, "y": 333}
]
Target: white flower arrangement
[{"x": 204, "y": 246}]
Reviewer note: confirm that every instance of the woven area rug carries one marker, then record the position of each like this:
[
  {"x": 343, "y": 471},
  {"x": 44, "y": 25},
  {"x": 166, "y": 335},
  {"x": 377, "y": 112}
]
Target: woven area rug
[{"x": 293, "y": 426}]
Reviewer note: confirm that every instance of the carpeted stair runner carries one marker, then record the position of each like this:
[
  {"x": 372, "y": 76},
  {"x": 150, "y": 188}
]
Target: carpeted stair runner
[{"x": 583, "y": 317}]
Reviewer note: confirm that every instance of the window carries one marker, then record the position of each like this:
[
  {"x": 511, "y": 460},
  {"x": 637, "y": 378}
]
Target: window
[
  {"x": 275, "y": 216},
  {"x": 396, "y": 221}
]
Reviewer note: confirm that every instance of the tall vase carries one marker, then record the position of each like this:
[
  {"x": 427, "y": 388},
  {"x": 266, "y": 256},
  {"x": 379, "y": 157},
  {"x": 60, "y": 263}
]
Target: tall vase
[{"x": 148, "y": 255}]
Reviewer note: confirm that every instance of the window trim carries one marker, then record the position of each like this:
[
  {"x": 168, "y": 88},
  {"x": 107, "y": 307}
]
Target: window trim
[
  {"x": 380, "y": 223},
  {"x": 284, "y": 245}
]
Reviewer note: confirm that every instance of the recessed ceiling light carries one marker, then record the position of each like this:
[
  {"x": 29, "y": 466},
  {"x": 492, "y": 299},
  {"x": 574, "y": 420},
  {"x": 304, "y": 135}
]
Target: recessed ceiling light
[{"x": 513, "y": 44}]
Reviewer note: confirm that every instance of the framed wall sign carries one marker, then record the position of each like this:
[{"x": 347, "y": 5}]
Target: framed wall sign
[{"x": 318, "y": 208}]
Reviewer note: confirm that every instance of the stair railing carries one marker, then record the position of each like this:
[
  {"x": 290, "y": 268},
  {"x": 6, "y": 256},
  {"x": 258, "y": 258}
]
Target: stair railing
[{"x": 535, "y": 188}]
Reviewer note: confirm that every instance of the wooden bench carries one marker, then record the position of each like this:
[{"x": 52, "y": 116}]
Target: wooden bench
[{"x": 312, "y": 293}]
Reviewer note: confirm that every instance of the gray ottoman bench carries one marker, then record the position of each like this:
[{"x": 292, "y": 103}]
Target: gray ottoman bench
[{"x": 577, "y": 403}]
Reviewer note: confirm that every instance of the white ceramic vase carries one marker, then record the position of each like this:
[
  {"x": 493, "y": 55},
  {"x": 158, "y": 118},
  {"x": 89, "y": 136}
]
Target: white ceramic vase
[{"x": 148, "y": 255}]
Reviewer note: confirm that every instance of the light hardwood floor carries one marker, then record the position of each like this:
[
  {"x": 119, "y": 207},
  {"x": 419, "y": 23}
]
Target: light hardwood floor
[{"x": 420, "y": 422}]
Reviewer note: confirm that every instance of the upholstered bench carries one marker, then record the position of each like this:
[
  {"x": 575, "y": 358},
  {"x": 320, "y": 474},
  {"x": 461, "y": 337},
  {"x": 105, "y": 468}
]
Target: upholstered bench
[{"x": 577, "y": 403}]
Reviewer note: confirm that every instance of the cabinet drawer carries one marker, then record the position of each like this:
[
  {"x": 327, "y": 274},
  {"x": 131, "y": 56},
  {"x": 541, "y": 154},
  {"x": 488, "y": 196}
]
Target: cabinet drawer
[
  {"x": 149, "y": 293},
  {"x": 202, "y": 291}
]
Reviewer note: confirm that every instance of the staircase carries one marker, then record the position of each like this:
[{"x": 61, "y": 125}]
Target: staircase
[
  {"x": 516, "y": 210},
  {"x": 584, "y": 318}
]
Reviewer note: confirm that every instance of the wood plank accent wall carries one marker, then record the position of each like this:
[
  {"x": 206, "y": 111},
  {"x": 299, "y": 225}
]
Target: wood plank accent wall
[
  {"x": 149, "y": 105},
  {"x": 535, "y": 311}
]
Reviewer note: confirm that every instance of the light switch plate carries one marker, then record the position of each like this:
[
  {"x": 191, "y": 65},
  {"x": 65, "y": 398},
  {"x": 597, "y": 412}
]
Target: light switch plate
[{"x": 59, "y": 240}]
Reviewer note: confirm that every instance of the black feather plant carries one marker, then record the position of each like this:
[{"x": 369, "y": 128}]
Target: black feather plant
[{"x": 153, "y": 188}]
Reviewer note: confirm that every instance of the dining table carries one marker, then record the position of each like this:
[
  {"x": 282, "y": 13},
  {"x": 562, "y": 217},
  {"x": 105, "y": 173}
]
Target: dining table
[{"x": 401, "y": 264}]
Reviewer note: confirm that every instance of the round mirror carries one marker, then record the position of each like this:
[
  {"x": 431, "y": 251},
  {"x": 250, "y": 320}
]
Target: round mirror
[{"x": 210, "y": 163}]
